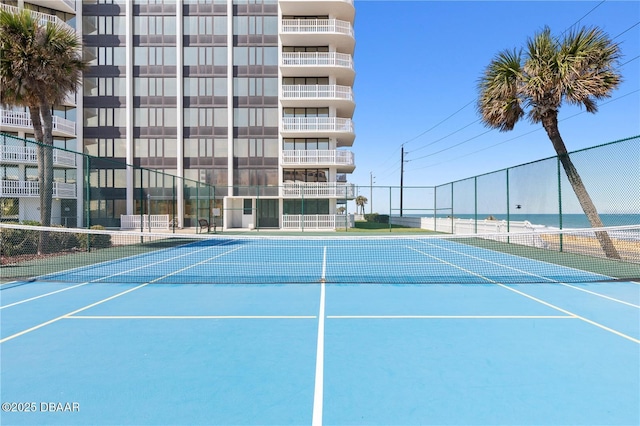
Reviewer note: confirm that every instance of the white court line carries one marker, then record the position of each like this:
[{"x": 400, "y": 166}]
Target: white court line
[
  {"x": 551, "y": 280},
  {"x": 69, "y": 314},
  {"x": 187, "y": 317},
  {"x": 452, "y": 317},
  {"x": 318, "y": 393},
  {"x": 42, "y": 295},
  {"x": 604, "y": 327},
  {"x": 105, "y": 277},
  {"x": 106, "y": 262},
  {"x": 29, "y": 330}
]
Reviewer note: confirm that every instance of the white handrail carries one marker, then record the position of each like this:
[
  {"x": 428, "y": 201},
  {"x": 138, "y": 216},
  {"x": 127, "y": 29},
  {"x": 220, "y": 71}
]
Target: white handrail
[
  {"x": 317, "y": 91},
  {"x": 328, "y": 156}
]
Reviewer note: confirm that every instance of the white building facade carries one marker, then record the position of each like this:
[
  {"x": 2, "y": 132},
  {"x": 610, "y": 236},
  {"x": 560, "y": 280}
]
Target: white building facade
[{"x": 253, "y": 98}]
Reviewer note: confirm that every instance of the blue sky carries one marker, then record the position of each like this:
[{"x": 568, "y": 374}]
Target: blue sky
[{"x": 417, "y": 68}]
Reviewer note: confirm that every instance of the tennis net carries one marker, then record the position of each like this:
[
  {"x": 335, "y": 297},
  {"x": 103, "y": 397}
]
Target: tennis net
[{"x": 104, "y": 256}]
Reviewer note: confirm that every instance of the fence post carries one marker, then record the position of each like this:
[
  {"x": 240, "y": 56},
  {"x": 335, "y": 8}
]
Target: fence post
[
  {"x": 173, "y": 205},
  {"x": 453, "y": 231},
  {"x": 558, "y": 163},
  {"x": 475, "y": 204},
  {"x": 141, "y": 202},
  {"x": 87, "y": 190},
  {"x": 508, "y": 207}
]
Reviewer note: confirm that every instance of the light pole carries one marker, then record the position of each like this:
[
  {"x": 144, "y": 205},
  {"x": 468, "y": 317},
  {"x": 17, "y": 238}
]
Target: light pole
[{"x": 371, "y": 177}]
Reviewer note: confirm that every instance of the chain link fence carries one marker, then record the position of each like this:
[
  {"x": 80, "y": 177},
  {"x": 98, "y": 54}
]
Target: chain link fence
[
  {"x": 89, "y": 191},
  {"x": 536, "y": 194}
]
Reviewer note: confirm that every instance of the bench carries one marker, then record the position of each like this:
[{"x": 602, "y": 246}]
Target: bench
[{"x": 204, "y": 223}]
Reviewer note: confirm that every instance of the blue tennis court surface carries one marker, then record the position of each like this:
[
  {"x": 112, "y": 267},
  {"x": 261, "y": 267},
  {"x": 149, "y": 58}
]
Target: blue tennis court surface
[{"x": 320, "y": 347}]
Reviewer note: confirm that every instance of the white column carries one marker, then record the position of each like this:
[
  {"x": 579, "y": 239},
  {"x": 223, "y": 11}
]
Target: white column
[
  {"x": 129, "y": 105},
  {"x": 230, "y": 98},
  {"x": 180, "y": 118}
]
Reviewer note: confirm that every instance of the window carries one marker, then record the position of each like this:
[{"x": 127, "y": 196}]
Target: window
[
  {"x": 245, "y": 117},
  {"x": 255, "y": 55},
  {"x": 247, "y": 208},
  {"x": 306, "y": 143}
]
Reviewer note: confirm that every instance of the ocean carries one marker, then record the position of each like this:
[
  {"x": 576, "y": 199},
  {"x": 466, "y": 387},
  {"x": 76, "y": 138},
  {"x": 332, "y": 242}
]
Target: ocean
[{"x": 553, "y": 220}]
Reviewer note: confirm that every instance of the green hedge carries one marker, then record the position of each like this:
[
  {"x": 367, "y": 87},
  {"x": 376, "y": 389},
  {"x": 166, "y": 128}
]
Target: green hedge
[
  {"x": 17, "y": 242},
  {"x": 377, "y": 218}
]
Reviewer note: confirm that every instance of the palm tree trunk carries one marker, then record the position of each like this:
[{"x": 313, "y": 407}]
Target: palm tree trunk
[
  {"x": 550, "y": 124},
  {"x": 34, "y": 113},
  {"x": 47, "y": 184}
]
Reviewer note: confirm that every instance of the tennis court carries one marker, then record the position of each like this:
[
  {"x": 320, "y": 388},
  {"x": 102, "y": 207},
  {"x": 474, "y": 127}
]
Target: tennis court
[{"x": 324, "y": 330}]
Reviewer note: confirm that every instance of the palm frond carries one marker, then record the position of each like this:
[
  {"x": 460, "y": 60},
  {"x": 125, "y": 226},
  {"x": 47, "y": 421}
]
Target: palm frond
[
  {"x": 589, "y": 74},
  {"x": 499, "y": 103}
]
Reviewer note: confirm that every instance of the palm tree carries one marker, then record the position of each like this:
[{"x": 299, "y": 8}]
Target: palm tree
[
  {"x": 40, "y": 64},
  {"x": 578, "y": 69},
  {"x": 361, "y": 200}
]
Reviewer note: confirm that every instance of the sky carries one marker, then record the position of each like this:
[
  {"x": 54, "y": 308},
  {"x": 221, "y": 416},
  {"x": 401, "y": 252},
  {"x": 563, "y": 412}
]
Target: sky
[{"x": 417, "y": 68}]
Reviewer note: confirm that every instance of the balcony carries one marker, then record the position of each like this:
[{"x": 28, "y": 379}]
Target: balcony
[
  {"x": 20, "y": 188},
  {"x": 341, "y": 9},
  {"x": 315, "y": 127},
  {"x": 305, "y": 32},
  {"x": 28, "y": 155},
  {"x": 344, "y": 160},
  {"x": 68, "y": 6},
  {"x": 42, "y": 18},
  {"x": 311, "y": 64},
  {"x": 15, "y": 121},
  {"x": 340, "y": 97},
  {"x": 318, "y": 190}
]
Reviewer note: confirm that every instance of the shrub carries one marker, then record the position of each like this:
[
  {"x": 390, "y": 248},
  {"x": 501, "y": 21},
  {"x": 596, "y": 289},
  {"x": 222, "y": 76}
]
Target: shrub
[
  {"x": 91, "y": 241},
  {"x": 377, "y": 218},
  {"x": 15, "y": 242}
]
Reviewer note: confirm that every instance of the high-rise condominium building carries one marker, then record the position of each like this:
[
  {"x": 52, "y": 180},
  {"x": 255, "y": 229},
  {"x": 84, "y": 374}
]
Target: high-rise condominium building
[{"x": 251, "y": 98}]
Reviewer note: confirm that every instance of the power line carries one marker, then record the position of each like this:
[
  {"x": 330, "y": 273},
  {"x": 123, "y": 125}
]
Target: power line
[
  {"x": 519, "y": 136},
  {"x": 395, "y": 166},
  {"x": 584, "y": 16},
  {"x": 484, "y": 133},
  {"x": 628, "y": 29},
  {"x": 444, "y": 137},
  {"x": 436, "y": 125}
]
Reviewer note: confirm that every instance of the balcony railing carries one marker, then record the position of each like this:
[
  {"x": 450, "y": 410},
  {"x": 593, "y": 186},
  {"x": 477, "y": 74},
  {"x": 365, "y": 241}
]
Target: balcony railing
[
  {"x": 317, "y": 91},
  {"x": 317, "y": 221},
  {"x": 23, "y": 120},
  {"x": 316, "y": 59},
  {"x": 317, "y": 157},
  {"x": 317, "y": 124},
  {"x": 42, "y": 18},
  {"x": 20, "y": 188},
  {"x": 320, "y": 26},
  {"x": 319, "y": 190},
  {"x": 22, "y": 154}
]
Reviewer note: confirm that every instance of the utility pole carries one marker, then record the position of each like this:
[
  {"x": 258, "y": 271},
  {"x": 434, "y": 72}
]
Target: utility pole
[
  {"x": 401, "y": 176},
  {"x": 371, "y": 192}
]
